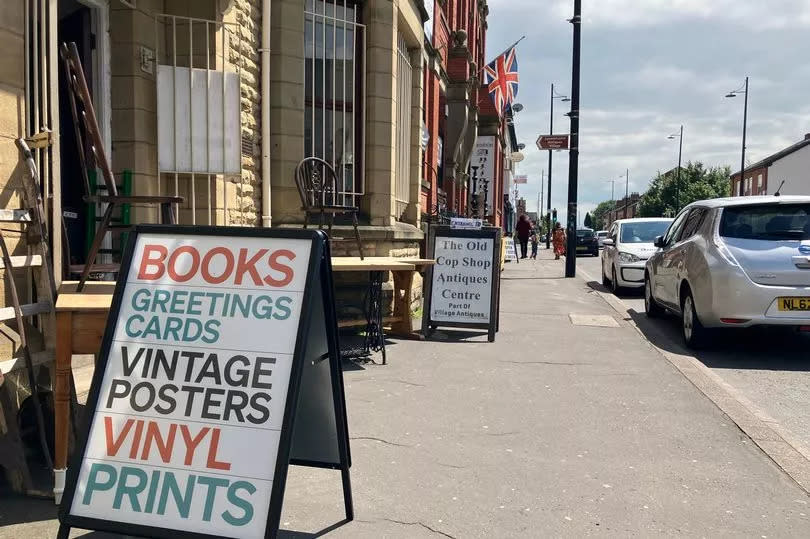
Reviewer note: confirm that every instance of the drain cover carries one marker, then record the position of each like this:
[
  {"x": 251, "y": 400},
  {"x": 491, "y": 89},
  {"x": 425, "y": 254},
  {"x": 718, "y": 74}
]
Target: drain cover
[{"x": 597, "y": 320}]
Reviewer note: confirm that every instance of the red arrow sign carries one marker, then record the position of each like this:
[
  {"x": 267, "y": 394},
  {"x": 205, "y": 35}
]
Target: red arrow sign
[{"x": 552, "y": 142}]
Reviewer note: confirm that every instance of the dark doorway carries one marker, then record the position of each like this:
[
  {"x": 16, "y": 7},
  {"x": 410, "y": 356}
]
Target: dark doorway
[{"x": 75, "y": 25}]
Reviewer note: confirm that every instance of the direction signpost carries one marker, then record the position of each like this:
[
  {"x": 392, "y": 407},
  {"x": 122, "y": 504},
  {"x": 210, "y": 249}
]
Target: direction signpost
[
  {"x": 218, "y": 369},
  {"x": 552, "y": 142}
]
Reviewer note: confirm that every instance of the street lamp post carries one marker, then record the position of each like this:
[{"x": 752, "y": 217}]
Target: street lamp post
[
  {"x": 573, "y": 154},
  {"x": 564, "y": 98},
  {"x": 626, "y": 177},
  {"x": 742, "y": 90},
  {"x": 679, "y": 136}
]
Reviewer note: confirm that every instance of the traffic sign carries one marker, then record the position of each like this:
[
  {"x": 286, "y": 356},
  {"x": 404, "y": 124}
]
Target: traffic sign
[{"x": 552, "y": 142}]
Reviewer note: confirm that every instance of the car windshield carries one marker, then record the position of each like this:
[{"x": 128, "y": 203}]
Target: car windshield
[
  {"x": 643, "y": 232},
  {"x": 767, "y": 222},
  {"x": 585, "y": 233},
  {"x": 602, "y": 234}
]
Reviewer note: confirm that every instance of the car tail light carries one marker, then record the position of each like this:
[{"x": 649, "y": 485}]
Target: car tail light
[
  {"x": 734, "y": 320},
  {"x": 805, "y": 329}
]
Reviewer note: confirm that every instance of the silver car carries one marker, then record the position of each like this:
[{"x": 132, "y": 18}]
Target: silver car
[{"x": 733, "y": 262}]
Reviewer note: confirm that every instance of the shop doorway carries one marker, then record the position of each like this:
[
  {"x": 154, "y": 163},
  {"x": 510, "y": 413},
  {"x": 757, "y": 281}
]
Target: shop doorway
[{"x": 85, "y": 24}]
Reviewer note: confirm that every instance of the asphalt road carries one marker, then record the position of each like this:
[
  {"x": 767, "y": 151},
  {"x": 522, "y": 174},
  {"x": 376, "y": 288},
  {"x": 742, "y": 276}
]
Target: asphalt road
[{"x": 770, "y": 368}]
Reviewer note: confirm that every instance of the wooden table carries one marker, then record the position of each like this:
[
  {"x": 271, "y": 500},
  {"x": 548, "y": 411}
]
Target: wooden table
[
  {"x": 403, "y": 270},
  {"x": 80, "y": 322}
]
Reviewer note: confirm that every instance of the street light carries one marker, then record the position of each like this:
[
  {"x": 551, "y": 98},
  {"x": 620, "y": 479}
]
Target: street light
[
  {"x": 626, "y": 177},
  {"x": 564, "y": 99},
  {"x": 573, "y": 153},
  {"x": 678, "y": 136},
  {"x": 742, "y": 90}
]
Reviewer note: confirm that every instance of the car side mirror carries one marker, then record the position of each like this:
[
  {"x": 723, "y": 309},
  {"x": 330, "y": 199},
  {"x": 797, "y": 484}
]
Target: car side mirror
[
  {"x": 607, "y": 242},
  {"x": 659, "y": 242}
]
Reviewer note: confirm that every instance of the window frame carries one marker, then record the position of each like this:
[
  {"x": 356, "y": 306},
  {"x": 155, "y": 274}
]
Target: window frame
[{"x": 686, "y": 232}]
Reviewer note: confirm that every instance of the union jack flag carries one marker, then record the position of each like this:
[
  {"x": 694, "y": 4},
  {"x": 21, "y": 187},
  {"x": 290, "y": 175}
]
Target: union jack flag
[{"x": 501, "y": 78}]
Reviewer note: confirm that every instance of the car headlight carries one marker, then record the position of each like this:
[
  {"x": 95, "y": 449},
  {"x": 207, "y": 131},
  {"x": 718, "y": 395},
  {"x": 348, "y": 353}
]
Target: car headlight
[{"x": 628, "y": 257}]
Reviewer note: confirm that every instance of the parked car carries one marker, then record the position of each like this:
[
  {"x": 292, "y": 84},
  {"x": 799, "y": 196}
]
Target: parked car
[
  {"x": 587, "y": 244},
  {"x": 601, "y": 235},
  {"x": 733, "y": 262},
  {"x": 629, "y": 244}
]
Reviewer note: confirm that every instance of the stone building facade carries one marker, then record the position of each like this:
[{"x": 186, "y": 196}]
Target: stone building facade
[{"x": 344, "y": 82}]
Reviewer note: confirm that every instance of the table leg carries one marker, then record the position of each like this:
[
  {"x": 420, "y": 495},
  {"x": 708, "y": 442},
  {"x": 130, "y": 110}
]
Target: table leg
[
  {"x": 403, "y": 289},
  {"x": 375, "y": 335},
  {"x": 403, "y": 292},
  {"x": 61, "y": 398}
]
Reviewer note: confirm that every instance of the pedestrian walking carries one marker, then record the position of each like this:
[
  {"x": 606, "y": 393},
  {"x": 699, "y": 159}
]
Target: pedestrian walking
[
  {"x": 558, "y": 238},
  {"x": 534, "y": 241},
  {"x": 524, "y": 230}
]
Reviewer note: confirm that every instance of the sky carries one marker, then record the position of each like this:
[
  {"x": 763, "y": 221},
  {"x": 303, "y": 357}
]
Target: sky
[{"x": 649, "y": 66}]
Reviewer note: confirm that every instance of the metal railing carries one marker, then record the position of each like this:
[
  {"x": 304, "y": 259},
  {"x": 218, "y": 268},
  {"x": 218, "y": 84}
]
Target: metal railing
[
  {"x": 199, "y": 121},
  {"x": 334, "y": 87}
]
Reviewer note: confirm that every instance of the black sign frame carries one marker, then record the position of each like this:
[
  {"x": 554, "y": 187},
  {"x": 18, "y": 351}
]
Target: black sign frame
[
  {"x": 319, "y": 285},
  {"x": 445, "y": 231}
]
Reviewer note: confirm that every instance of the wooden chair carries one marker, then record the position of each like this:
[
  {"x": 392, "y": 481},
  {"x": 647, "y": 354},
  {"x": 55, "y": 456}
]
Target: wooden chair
[
  {"x": 317, "y": 186},
  {"x": 91, "y": 153}
]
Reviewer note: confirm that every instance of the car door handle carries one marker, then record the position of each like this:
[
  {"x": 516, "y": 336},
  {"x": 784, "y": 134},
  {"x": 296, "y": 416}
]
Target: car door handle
[{"x": 802, "y": 262}]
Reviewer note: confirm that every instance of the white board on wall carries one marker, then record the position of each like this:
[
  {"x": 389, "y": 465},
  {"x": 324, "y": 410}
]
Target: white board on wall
[{"x": 198, "y": 125}]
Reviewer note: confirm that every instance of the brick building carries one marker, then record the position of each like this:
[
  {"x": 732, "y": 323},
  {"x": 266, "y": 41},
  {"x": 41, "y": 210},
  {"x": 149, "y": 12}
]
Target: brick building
[
  {"x": 789, "y": 165},
  {"x": 465, "y": 137}
]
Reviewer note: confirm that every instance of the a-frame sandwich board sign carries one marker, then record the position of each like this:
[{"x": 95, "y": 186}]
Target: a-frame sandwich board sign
[
  {"x": 463, "y": 289},
  {"x": 219, "y": 367}
]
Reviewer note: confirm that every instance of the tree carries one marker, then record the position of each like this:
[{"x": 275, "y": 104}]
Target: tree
[
  {"x": 696, "y": 183},
  {"x": 588, "y": 221},
  {"x": 599, "y": 214}
]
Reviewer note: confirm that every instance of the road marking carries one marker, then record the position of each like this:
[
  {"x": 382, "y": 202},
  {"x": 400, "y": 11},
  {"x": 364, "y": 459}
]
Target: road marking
[{"x": 789, "y": 453}]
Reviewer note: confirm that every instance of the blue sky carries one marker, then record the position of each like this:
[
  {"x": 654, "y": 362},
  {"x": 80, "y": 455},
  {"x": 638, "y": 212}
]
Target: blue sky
[{"x": 649, "y": 66}]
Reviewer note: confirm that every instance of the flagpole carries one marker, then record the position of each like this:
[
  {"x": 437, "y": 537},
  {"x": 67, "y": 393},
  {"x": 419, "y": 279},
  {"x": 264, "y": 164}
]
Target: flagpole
[{"x": 504, "y": 52}]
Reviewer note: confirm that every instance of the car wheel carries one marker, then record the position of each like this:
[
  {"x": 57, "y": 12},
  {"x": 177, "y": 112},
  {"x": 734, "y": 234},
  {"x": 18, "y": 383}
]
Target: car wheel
[
  {"x": 694, "y": 334},
  {"x": 651, "y": 306},
  {"x": 614, "y": 283}
]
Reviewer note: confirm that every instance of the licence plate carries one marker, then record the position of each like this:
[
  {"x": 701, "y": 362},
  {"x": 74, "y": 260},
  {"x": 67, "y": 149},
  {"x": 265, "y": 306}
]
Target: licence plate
[
  {"x": 582, "y": 248},
  {"x": 794, "y": 304}
]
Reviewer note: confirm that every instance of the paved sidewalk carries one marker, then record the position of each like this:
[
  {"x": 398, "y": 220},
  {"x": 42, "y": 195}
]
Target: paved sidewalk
[{"x": 554, "y": 430}]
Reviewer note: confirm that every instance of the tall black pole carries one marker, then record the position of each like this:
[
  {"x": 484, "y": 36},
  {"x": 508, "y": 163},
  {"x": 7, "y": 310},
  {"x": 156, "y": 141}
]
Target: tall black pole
[
  {"x": 573, "y": 155},
  {"x": 745, "y": 123},
  {"x": 548, "y": 195},
  {"x": 626, "y": 192},
  {"x": 678, "y": 176}
]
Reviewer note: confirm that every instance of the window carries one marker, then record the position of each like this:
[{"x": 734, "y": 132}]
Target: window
[
  {"x": 403, "y": 125},
  {"x": 693, "y": 223},
  {"x": 334, "y": 42},
  {"x": 759, "y": 185},
  {"x": 675, "y": 229},
  {"x": 777, "y": 222},
  {"x": 643, "y": 231}
]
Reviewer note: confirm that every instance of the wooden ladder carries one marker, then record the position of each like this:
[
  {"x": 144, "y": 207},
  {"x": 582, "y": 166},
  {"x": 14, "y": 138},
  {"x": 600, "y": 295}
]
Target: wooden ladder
[{"x": 33, "y": 220}]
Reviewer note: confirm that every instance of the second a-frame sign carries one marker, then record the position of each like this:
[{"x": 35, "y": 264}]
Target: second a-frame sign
[{"x": 219, "y": 368}]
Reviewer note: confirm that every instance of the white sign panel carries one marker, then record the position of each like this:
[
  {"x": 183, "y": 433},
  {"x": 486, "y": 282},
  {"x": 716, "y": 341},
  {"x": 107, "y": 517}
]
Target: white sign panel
[
  {"x": 484, "y": 159},
  {"x": 510, "y": 249},
  {"x": 188, "y": 422},
  {"x": 429, "y": 23},
  {"x": 464, "y": 223},
  {"x": 462, "y": 280},
  {"x": 198, "y": 121}
]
